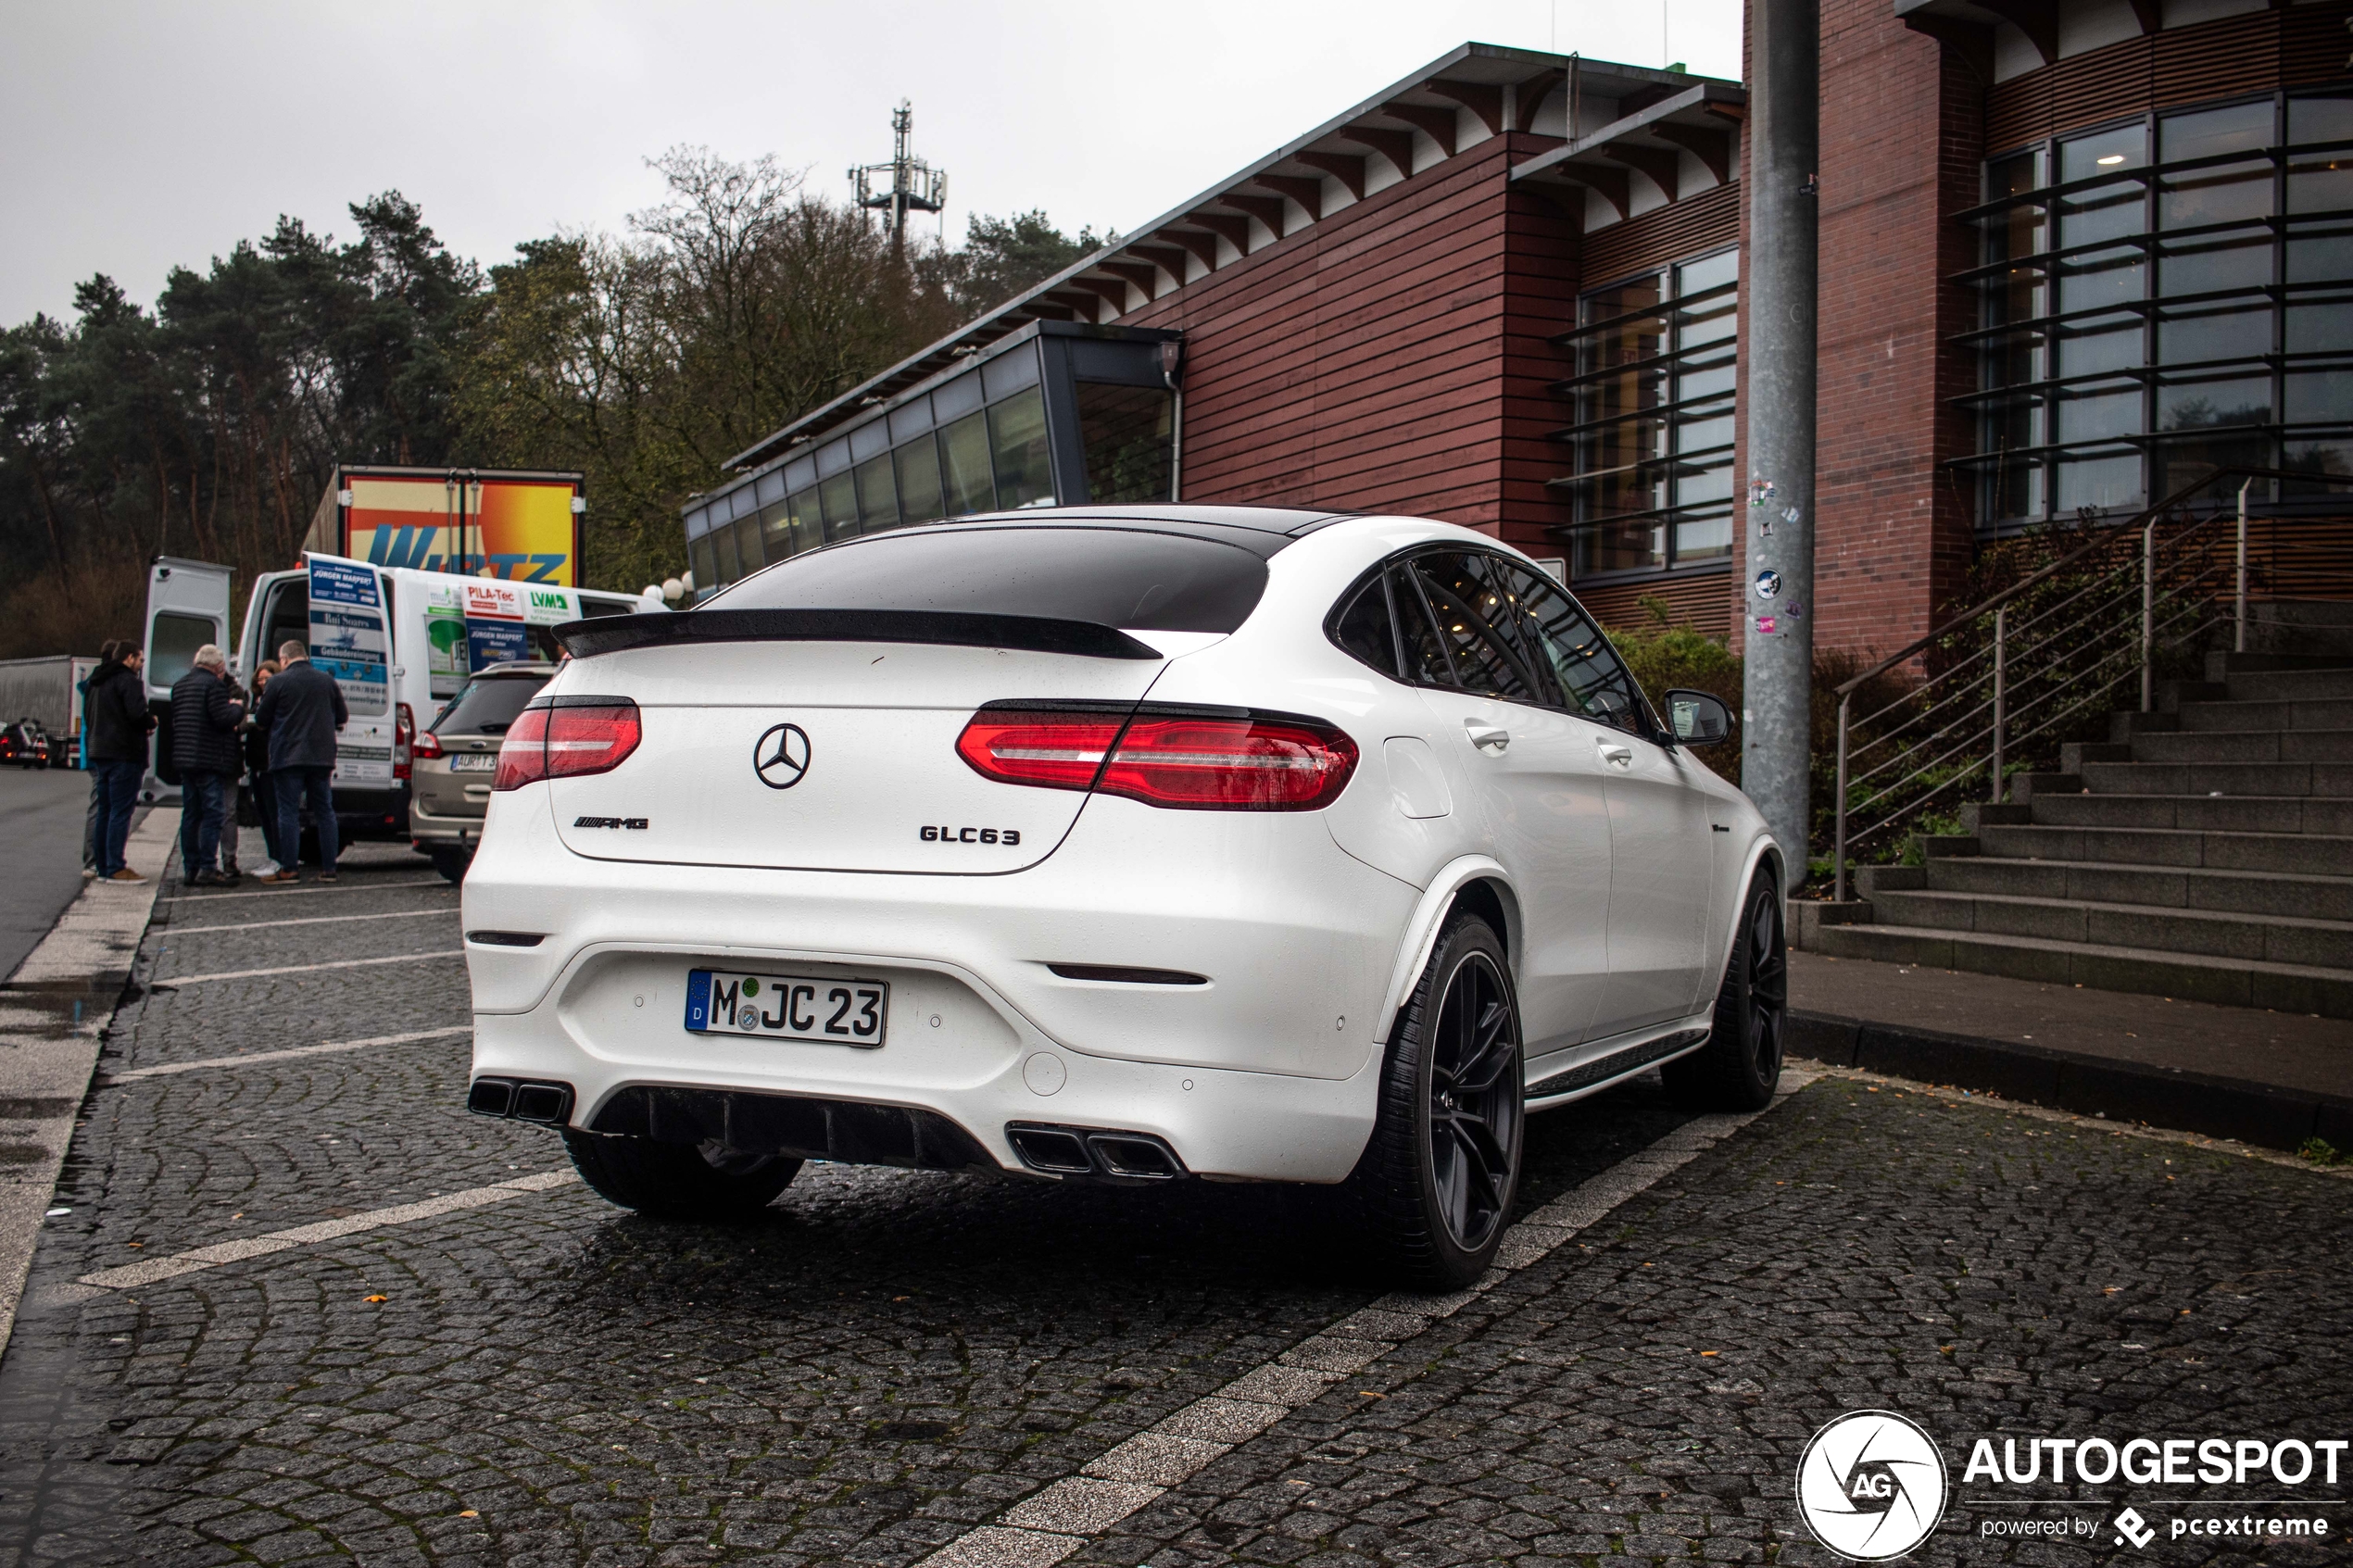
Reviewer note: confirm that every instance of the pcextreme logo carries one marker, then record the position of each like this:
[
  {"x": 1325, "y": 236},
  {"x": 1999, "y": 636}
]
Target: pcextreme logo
[{"x": 1872, "y": 1485}]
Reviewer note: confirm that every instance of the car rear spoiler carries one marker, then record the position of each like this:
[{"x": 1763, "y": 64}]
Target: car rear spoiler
[{"x": 1031, "y": 633}]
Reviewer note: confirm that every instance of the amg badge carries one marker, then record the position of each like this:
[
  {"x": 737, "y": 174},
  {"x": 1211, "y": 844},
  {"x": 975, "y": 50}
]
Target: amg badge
[{"x": 637, "y": 823}]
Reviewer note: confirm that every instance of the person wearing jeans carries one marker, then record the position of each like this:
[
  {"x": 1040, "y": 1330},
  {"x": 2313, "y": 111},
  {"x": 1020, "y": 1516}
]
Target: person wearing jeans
[
  {"x": 206, "y": 716},
  {"x": 119, "y": 724},
  {"x": 302, "y": 712}
]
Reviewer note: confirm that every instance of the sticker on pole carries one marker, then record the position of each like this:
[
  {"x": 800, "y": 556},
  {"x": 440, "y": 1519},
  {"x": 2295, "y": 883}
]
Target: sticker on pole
[{"x": 1769, "y": 583}]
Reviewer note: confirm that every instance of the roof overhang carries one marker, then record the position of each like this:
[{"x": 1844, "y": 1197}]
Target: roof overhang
[
  {"x": 1702, "y": 120},
  {"x": 1464, "y": 96}
]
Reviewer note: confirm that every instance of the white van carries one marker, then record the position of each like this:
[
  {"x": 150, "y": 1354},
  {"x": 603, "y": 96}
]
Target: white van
[{"x": 399, "y": 641}]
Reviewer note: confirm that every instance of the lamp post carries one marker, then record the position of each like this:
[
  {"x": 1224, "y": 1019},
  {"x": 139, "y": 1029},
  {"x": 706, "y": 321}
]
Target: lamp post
[{"x": 1779, "y": 596}]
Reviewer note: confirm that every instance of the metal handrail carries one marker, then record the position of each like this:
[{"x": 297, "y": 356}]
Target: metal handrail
[{"x": 2173, "y": 609}]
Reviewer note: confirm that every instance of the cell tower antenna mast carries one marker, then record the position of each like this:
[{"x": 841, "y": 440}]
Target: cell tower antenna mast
[{"x": 905, "y": 184}]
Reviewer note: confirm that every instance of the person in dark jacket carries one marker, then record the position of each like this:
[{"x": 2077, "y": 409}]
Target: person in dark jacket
[
  {"x": 120, "y": 724},
  {"x": 257, "y": 745},
  {"x": 92, "y": 825},
  {"x": 206, "y": 716},
  {"x": 303, "y": 710}
]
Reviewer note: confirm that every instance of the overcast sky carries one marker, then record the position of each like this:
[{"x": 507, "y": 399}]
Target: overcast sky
[{"x": 141, "y": 136}]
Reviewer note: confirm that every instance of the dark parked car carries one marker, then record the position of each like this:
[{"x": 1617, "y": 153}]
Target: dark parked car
[{"x": 27, "y": 745}]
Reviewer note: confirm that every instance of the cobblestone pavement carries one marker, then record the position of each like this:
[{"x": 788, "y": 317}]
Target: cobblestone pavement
[{"x": 888, "y": 1359}]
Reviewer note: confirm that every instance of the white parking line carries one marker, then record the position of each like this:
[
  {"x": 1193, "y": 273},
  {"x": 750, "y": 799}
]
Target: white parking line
[
  {"x": 248, "y": 1060},
  {"x": 1047, "y": 1526},
  {"x": 148, "y": 1272},
  {"x": 309, "y": 919},
  {"x": 301, "y": 969},
  {"x": 300, "y": 892}
]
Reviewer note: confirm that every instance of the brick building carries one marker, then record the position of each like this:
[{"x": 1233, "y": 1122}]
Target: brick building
[{"x": 2070, "y": 253}]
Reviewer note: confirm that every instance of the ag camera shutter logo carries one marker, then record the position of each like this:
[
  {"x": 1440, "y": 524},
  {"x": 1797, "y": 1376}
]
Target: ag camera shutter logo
[{"x": 1872, "y": 1485}]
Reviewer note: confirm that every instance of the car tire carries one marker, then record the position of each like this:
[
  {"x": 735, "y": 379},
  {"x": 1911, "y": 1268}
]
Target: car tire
[
  {"x": 678, "y": 1181},
  {"x": 451, "y": 863},
  {"x": 1739, "y": 1067},
  {"x": 1436, "y": 1183}
]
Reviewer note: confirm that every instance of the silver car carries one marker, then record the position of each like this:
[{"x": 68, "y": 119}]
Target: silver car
[{"x": 454, "y": 759}]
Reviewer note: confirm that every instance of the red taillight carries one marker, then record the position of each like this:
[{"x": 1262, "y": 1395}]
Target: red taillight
[
  {"x": 1053, "y": 750},
  {"x": 1193, "y": 761},
  {"x": 404, "y": 735},
  {"x": 428, "y": 745},
  {"x": 571, "y": 737}
]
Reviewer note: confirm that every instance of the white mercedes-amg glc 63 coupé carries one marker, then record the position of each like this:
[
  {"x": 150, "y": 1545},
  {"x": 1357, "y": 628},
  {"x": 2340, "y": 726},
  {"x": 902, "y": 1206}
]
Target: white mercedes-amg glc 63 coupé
[{"x": 1115, "y": 843}]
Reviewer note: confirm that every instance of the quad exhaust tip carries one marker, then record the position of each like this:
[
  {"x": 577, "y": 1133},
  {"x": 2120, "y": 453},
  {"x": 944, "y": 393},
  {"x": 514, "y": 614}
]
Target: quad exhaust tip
[
  {"x": 548, "y": 1105},
  {"x": 1094, "y": 1151}
]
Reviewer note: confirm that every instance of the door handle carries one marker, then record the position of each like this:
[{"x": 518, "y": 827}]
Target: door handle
[
  {"x": 1615, "y": 755},
  {"x": 1487, "y": 738}
]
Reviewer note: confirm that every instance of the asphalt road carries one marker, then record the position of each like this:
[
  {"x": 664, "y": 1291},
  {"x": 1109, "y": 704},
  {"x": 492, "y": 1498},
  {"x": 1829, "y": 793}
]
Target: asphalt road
[
  {"x": 396, "y": 1345},
  {"x": 41, "y": 821}
]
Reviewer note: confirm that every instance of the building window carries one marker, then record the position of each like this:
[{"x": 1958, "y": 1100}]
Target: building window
[
  {"x": 976, "y": 441},
  {"x": 1652, "y": 444},
  {"x": 1126, "y": 433},
  {"x": 2164, "y": 297}
]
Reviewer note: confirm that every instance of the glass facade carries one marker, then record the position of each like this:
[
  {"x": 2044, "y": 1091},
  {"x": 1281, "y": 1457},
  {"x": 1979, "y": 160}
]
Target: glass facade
[
  {"x": 2162, "y": 297},
  {"x": 981, "y": 440},
  {"x": 1653, "y": 391}
]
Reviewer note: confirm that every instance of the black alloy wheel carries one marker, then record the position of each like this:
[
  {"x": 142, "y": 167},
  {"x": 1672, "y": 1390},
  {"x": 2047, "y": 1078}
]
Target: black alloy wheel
[
  {"x": 1438, "y": 1177},
  {"x": 1739, "y": 1067},
  {"x": 1475, "y": 1103}
]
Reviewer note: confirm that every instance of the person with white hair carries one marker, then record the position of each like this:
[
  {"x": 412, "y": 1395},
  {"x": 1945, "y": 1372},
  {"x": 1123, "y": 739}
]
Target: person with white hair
[{"x": 206, "y": 716}]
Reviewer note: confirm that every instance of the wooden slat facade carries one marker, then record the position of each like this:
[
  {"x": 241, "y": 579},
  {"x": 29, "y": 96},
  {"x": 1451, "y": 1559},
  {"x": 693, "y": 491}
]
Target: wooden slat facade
[
  {"x": 1363, "y": 361},
  {"x": 2253, "y": 52}
]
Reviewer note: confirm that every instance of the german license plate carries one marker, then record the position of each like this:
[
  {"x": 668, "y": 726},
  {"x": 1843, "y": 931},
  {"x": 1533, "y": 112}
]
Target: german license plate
[
  {"x": 474, "y": 762},
  {"x": 788, "y": 1007}
]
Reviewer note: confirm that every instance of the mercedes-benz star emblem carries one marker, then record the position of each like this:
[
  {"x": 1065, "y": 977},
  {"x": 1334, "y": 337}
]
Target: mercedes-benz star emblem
[{"x": 780, "y": 756}]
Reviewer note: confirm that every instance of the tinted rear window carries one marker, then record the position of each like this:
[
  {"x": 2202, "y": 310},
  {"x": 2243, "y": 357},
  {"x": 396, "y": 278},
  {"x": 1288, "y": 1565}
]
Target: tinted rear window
[
  {"x": 1129, "y": 578},
  {"x": 487, "y": 706}
]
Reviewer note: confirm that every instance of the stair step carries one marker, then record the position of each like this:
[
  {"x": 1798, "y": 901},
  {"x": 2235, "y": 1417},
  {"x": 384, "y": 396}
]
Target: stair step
[
  {"x": 2263, "y": 661},
  {"x": 2332, "y": 779},
  {"x": 2315, "y": 854},
  {"x": 2173, "y": 888},
  {"x": 2234, "y": 745},
  {"x": 2191, "y": 976},
  {"x": 2214, "y": 933},
  {"x": 2291, "y": 685},
  {"x": 2199, "y": 813},
  {"x": 2287, "y": 713}
]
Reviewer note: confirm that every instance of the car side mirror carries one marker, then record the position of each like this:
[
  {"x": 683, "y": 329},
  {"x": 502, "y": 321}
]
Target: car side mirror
[{"x": 1698, "y": 719}]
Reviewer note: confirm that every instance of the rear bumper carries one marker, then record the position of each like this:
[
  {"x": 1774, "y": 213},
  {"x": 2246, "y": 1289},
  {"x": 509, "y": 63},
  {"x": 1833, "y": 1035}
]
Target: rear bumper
[
  {"x": 371, "y": 813},
  {"x": 427, "y": 827},
  {"x": 1267, "y": 1071}
]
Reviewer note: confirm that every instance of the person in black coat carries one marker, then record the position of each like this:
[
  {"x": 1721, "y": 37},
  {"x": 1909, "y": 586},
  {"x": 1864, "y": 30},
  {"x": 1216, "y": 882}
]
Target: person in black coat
[
  {"x": 303, "y": 710},
  {"x": 256, "y": 741},
  {"x": 119, "y": 723},
  {"x": 206, "y": 716}
]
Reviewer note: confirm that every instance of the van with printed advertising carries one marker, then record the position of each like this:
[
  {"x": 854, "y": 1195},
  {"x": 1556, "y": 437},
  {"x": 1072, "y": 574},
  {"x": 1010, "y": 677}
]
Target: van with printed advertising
[{"x": 402, "y": 642}]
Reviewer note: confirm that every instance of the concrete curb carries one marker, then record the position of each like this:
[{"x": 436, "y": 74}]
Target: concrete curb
[
  {"x": 54, "y": 1013},
  {"x": 2088, "y": 1086}
]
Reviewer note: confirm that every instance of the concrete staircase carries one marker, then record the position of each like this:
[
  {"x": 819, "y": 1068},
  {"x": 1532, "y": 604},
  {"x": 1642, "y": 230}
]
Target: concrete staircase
[{"x": 2205, "y": 853}]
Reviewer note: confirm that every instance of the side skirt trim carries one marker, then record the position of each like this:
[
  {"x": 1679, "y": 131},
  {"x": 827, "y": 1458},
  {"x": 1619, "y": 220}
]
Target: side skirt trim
[{"x": 1574, "y": 1082}]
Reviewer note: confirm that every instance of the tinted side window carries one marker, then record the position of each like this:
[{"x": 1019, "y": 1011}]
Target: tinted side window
[
  {"x": 1129, "y": 578},
  {"x": 1361, "y": 629},
  {"x": 1474, "y": 617},
  {"x": 1426, "y": 661},
  {"x": 1596, "y": 684}
]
